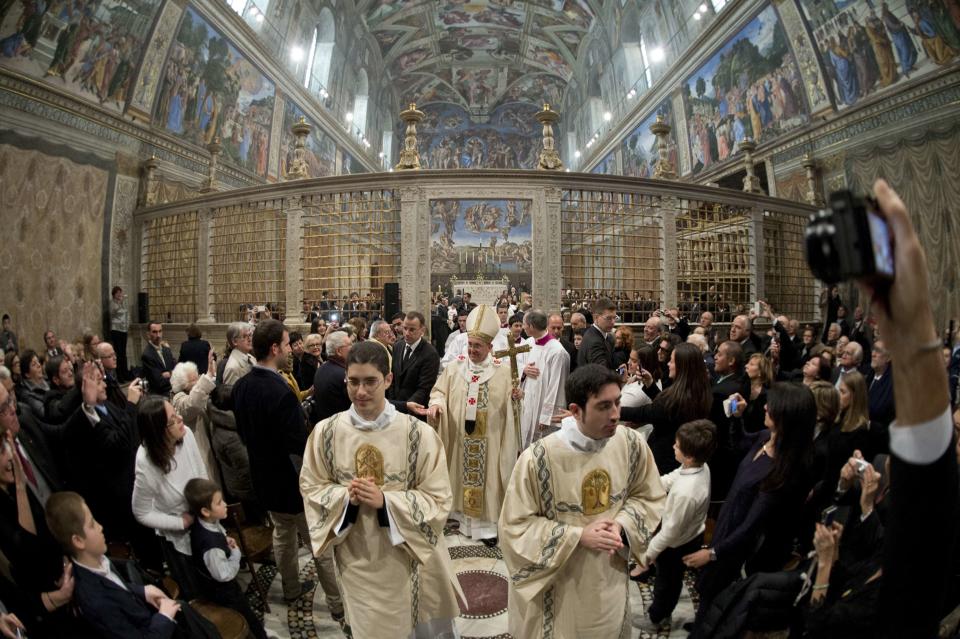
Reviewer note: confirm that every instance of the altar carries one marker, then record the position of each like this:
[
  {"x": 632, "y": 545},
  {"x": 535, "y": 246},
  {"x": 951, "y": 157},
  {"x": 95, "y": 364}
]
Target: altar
[{"x": 482, "y": 291}]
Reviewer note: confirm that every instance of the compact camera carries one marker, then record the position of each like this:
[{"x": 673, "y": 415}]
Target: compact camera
[{"x": 849, "y": 240}]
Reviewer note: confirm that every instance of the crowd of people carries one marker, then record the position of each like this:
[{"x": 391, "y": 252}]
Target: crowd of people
[{"x": 785, "y": 465}]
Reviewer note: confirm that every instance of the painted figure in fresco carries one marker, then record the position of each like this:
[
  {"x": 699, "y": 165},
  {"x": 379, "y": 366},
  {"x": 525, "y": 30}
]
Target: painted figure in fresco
[
  {"x": 900, "y": 35},
  {"x": 844, "y": 72},
  {"x": 931, "y": 33},
  {"x": 882, "y": 48}
]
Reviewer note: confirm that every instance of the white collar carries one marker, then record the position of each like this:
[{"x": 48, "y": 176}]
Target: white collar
[
  {"x": 215, "y": 527},
  {"x": 691, "y": 471},
  {"x": 382, "y": 421},
  {"x": 575, "y": 439},
  {"x": 413, "y": 347},
  {"x": 105, "y": 569}
]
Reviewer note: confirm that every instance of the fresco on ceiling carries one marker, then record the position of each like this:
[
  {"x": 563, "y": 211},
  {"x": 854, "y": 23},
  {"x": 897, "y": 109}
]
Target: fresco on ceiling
[
  {"x": 481, "y": 13},
  {"x": 383, "y": 9},
  {"x": 478, "y": 86},
  {"x": 492, "y": 237},
  {"x": 90, "y": 48},
  {"x": 209, "y": 90},
  {"x": 751, "y": 88},
  {"x": 436, "y": 91},
  {"x": 551, "y": 59},
  {"x": 409, "y": 60},
  {"x": 450, "y": 139},
  {"x": 536, "y": 88},
  {"x": 639, "y": 149},
  {"x": 386, "y": 39},
  {"x": 607, "y": 166},
  {"x": 321, "y": 150},
  {"x": 479, "y": 45},
  {"x": 868, "y": 47}
]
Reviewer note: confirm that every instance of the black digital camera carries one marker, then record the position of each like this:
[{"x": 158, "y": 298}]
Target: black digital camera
[{"x": 849, "y": 240}]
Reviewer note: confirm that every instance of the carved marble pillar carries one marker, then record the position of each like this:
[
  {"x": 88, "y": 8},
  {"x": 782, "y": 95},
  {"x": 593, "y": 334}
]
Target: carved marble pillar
[
  {"x": 549, "y": 158},
  {"x": 298, "y": 169},
  {"x": 757, "y": 284},
  {"x": 664, "y": 169},
  {"x": 204, "y": 292},
  {"x": 293, "y": 209},
  {"x": 210, "y": 184},
  {"x": 149, "y": 78},
  {"x": 751, "y": 184},
  {"x": 812, "y": 196},
  {"x": 148, "y": 183},
  {"x": 414, "y": 250},
  {"x": 409, "y": 156},
  {"x": 668, "y": 248},
  {"x": 547, "y": 252}
]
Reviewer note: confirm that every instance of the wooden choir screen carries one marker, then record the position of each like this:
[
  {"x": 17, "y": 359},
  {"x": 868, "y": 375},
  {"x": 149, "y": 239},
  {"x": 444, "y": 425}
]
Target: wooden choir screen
[
  {"x": 611, "y": 245},
  {"x": 788, "y": 284},
  {"x": 715, "y": 265},
  {"x": 248, "y": 247},
  {"x": 351, "y": 248},
  {"x": 168, "y": 266}
]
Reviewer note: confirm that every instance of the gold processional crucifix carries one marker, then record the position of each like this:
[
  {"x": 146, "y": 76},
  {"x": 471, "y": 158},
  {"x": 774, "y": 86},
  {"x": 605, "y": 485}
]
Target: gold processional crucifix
[{"x": 512, "y": 351}]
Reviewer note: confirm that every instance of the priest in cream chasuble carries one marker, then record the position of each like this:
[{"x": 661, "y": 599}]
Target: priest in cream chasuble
[
  {"x": 580, "y": 502},
  {"x": 471, "y": 406},
  {"x": 375, "y": 487}
]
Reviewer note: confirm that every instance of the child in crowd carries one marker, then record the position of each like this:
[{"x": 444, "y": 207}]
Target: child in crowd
[
  {"x": 114, "y": 607},
  {"x": 215, "y": 555},
  {"x": 684, "y": 518}
]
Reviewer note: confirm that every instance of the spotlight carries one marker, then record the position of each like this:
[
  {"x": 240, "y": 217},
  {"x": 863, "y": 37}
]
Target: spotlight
[
  {"x": 349, "y": 116},
  {"x": 607, "y": 116},
  {"x": 696, "y": 16},
  {"x": 702, "y": 8},
  {"x": 576, "y": 154},
  {"x": 657, "y": 54},
  {"x": 296, "y": 54}
]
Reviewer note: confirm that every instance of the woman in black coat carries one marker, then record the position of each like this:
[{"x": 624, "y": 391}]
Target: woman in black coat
[
  {"x": 687, "y": 398},
  {"x": 195, "y": 349}
]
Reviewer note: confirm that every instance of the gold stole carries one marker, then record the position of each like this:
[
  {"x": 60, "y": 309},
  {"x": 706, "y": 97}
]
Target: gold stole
[{"x": 475, "y": 458}]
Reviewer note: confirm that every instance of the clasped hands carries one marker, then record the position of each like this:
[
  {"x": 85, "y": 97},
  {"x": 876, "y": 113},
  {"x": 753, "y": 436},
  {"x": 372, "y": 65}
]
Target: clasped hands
[
  {"x": 602, "y": 535},
  {"x": 365, "y": 491},
  {"x": 164, "y": 604}
]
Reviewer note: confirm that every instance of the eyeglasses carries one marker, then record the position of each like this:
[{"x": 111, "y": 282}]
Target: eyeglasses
[{"x": 369, "y": 384}]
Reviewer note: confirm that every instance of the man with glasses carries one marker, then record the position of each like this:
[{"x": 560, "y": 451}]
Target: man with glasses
[
  {"x": 39, "y": 468},
  {"x": 881, "y": 386},
  {"x": 270, "y": 422},
  {"x": 597, "y": 344},
  {"x": 240, "y": 361},
  {"x": 851, "y": 357},
  {"x": 108, "y": 362}
]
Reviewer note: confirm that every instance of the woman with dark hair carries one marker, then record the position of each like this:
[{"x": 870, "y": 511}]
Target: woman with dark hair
[
  {"x": 167, "y": 459},
  {"x": 764, "y": 501},
  {"x": 33, "y": 387},
  {"x": 195, "y": 349},
  {"x": 688, "y": 398},
  {"x": 12, "y": 361},
  {"x": 643, "y": 358}
]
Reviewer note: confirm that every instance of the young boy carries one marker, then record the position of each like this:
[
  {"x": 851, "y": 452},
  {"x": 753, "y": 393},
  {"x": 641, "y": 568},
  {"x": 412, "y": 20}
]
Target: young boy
[
  {"x": 215, "y": 555},
  {"x": 684, "y": 517},
  {"x": 112, "y": 606}
]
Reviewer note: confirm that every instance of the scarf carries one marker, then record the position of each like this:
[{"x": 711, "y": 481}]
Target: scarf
[
  {"x": 571, "y": 434},
  {"x": 382, "y": 421}
]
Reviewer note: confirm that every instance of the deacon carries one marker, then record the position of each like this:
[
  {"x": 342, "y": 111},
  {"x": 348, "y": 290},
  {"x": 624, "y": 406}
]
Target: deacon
[
  {"x": 472, "y": 407},
  {"x": 544, "y": 375},
  {"x": 375, "y": 488},
  {"x": 580, "y": 502}
]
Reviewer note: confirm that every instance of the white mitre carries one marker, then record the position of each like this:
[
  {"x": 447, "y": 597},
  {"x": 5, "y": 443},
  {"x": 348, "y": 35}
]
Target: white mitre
[{"x": 483, "y": 323}]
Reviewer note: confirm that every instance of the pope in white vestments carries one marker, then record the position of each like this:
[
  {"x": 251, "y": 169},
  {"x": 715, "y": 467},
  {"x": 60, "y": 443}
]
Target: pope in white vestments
[
  {"x": 545, "y": 371},
  {"x": 456, "y": 347},
  {"x": 580, "y": 502},
  {"x": 472, "y": 409},
  {"x": 375, "y": 487}
]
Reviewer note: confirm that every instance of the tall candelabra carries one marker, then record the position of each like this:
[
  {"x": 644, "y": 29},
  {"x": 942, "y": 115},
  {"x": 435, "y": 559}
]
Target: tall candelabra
[
  {"x": 549, "y": 158},
  {"x": 298, "y": 168},
  {"x": 664, "y": 169},
  {"x": 409, "y": 156}
]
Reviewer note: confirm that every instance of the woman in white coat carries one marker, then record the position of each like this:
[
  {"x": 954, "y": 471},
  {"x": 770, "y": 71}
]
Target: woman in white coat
[
  {"x": 191, "y": 392},
  {"x": 167, "y": 459}
]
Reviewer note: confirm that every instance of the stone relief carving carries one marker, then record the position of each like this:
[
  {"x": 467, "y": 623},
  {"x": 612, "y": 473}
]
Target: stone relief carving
[{"x": 121, "y": 228}]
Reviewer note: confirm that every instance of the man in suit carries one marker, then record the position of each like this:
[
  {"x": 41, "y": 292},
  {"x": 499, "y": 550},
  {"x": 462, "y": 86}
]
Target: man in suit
[
  {"x": 63, "y": 398},
  {"x": 728, "y": 368},
  {"x": 53, "y": 347},
  {"x": 416, "y": 363},
  {"x": 741, "y": 331},
  {"x": 39, "y": 467},
  {"x": 851, "y": 359},
  {"x": 597, "y": 344},
  {"x": 329, "y": 382},
  {"x": 157, "y": 361},
  {"x": 555, "y": 328},
  {"x": 880, "y": 390},
  {"x": 108, "y": 360},
  {"x": 270, "y": 422}
]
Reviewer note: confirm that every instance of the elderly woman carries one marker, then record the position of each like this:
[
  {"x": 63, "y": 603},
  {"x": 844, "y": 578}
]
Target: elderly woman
[
  {"x": 622, "y": 345},
  {"x": 312, "y": 348},
  {"x": 167, "y": 459},
  {"x": 191, "y": 391},
  {"x": 33, "y": 386},
  {"x": 237, "y": 361}
]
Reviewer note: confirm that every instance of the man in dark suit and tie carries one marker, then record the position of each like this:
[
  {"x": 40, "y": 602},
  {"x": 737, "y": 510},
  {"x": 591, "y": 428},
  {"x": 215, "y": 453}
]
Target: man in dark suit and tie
[
  {"x": 53, "y": 347},
  {"x": 881, "y": 386},
  {"x": 271, "y": 425},
  {"x": 416, "y": 363},
  {"x": 39, "y": 467},
  {"x": 597, "y": 344},
  {"x": 157, "y": 361},
  {"x": 728, "y": 368}
]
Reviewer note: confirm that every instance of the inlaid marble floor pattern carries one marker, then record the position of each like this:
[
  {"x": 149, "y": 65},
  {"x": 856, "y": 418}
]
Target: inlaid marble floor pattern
[{"x": 482, "y": 575}]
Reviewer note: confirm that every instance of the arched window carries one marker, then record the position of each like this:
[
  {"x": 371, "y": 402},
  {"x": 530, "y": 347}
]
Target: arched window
[
  {"x": 360, "y": 101},
  {"x": 321, "y": 53}
]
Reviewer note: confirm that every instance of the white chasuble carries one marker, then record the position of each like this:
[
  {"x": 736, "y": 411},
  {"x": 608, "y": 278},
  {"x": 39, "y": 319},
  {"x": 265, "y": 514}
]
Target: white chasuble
[
  {"x": 543, "y": 395},
  {"x": 558, "y": 588},
  {"x": 479, "y": 436},
  {"x": 393, "y": 565}
]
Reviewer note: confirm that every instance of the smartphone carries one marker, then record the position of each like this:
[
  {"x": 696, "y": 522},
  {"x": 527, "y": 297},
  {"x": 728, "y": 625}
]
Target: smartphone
[
  {"x": 861, "y": 465},
  {"x": 622, "y": 369},
  {"x": 828, "y": 516},
  {"x": 756, "y": 308}
]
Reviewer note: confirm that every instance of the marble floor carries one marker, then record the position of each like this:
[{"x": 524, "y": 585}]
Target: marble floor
[{"x": 482, "y": 575}]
